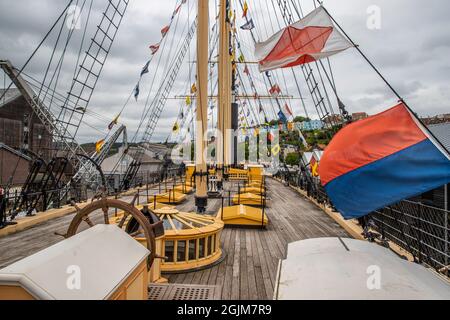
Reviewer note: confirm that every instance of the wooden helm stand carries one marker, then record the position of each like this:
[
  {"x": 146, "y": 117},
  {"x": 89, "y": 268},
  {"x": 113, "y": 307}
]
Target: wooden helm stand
[{"x": 87, "y": 213}]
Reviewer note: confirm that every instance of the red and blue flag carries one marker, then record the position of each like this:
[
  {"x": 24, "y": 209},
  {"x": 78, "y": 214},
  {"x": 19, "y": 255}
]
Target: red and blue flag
[{"x": 381, "y": 160}]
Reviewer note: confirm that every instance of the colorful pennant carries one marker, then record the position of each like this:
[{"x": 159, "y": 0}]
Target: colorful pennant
[
  {"x": 113, "y": 123},
  {"x": 154, "y": 48},
  {"x": 249, "y": 25},
  {"x": 165, "y": 30},
  {"x": 99, "y": 145},
  {"x": 136, "y": 92},
  {"x": 245, "y": 10},
  {"x": 145, "y": 68}
]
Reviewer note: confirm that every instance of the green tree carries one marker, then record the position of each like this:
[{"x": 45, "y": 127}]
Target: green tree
[
  {"x": 292, "y": 159},
  {"x": 301, "y": 119}
]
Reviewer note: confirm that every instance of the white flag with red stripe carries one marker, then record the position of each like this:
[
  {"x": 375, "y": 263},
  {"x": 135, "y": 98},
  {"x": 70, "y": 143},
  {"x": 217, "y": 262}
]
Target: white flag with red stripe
[{"x": 310, "y": 39}]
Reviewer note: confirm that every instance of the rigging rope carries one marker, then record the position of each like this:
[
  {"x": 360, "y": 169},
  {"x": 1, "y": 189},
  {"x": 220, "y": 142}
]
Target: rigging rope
[{"x": 38, "y": 47}]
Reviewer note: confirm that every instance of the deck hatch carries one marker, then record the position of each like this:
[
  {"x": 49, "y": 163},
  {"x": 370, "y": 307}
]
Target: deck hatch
[{"x": 183, "y": 292}]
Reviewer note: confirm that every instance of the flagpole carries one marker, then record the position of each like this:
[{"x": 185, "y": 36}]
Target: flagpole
[{"x": 383, "y": 78}]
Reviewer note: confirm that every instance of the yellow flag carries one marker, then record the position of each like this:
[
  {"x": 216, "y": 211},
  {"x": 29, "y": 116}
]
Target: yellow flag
[
  {"x": 99, "y": 145},
  {"x": 176, "y": 127},
  {"x": 193, "y": 89},
  {"x": 290, "y": 126},
  {"x": 188, "y": 100},
  {"x": 245, "y": 10},
  {"x": 314, "y": 170}
]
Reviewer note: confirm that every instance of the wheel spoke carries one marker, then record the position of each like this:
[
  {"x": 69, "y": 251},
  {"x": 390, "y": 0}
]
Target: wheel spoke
[
  {"x": 88, "y": 221},
  {"x": 129, "y": 210},
  {"x": 137, "y": 232},
  {"x": 105, "y": 214}
]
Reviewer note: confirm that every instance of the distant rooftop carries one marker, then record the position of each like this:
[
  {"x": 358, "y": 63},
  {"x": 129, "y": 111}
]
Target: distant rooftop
[
  {"x": 442, "y": 133},
  {"x": 134, "y": 153},
  {"x": 442, "y": 118}
]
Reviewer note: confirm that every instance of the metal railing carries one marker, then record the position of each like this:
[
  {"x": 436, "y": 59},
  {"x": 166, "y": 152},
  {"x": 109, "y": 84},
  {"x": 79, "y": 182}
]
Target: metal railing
[
  {"x": 15, "y": 200},
  {"x": 48, "y": 199},
  {"x": 421, "y": 230}
]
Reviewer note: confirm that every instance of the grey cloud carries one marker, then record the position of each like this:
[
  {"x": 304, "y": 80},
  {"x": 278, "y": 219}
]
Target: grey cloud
[{"x": 411, "y": 50}]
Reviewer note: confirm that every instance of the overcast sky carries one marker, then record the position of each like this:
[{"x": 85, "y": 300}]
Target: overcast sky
[{"x": 412, "y": 49}]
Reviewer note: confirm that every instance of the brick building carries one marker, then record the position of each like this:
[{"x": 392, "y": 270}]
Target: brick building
[
  {"x": 13, "y": 165},
  {"x": 19, "y": 129}
]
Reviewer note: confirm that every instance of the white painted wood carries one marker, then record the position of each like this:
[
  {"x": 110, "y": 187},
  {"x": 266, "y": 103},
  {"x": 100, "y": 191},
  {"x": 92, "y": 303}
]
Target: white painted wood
[
  {"x": 104, "y": 254},
  {"x": 326, "y": 269}
]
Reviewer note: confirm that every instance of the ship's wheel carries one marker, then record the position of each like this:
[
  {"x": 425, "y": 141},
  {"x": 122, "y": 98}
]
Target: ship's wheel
[{"x": 98, "y": 212}]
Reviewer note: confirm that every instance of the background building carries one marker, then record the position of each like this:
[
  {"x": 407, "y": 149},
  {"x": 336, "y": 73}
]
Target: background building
[
  {"x": 310, "y": 125},
  {"x": 152, "y": 161},
  {"x": 442, "y": 118},
  {"x": 333, "y": 119},
  {"x": 20, "y": 131},
  {"x": 20, "y": 128},
  {"x": 359, "y": 116},
  {"x": 438, "y": 197},
  {"x": 14, "y": 166}
]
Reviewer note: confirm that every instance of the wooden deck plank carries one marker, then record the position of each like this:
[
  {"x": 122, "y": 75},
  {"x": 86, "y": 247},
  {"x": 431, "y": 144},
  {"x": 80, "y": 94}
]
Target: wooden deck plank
[
  {"x": 265, "y": 265},
  {"x": 260, "y": 285},
  {"x": 251, "y": 280},
  {"x": 235, "y": 285},
  {"x": 243, "y": 283}
]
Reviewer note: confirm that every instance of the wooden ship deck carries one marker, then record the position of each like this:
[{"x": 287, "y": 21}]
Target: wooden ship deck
[{"x": 248, "y": 270}]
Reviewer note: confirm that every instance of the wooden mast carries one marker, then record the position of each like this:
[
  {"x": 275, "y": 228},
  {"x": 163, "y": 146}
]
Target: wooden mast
[{"x": 201, "y": 196}]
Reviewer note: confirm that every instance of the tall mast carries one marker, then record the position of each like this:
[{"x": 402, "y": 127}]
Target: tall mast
[
  {"x": 201, "y": 196},
  {"x": 227, "y": 90},
  {"x": 224, "y": 100}
]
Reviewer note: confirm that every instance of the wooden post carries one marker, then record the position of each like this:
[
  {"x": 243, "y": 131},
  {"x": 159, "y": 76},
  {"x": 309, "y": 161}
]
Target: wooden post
[
  {"x": 201, "y": 196},
  {"x": 146, "y": 186},
  {"x": 115, "y": 209},
  {"x": 221, "y": 214},
  {"x": 239, "y": 193}
]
